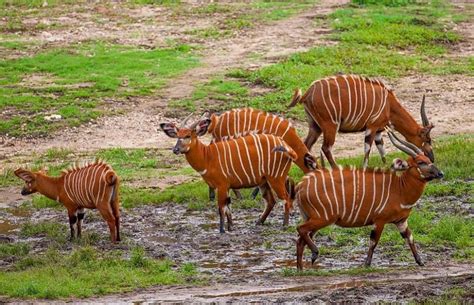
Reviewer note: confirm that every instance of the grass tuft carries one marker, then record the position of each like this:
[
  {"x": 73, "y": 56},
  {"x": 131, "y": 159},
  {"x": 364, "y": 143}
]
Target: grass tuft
[{"x": 86, "y": 272}]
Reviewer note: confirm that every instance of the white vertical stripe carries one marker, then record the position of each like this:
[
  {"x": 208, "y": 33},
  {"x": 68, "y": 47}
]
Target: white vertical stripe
[
  {"x": 257, "y": 121},
  {"x": 240, "y": 157},
  {"x": 349, "y": 113},
  {"x": 323, "y": 178},
  {"x": 380, "y": 209},
  {"x": 354, "y": 192},
  {"x": 308, "y": 197},
  {"x": 343, "y": 193},
  {"x": 374, "y": 195},
  {"x": 259, "y": 157},
  {"x": 334, "y": 190},
  {"x": 361, "y": 202},
  {"x": 221, "y": 167},
  {"x": 231, "y": 160},
  {"x": 356, "y": 104},
  {"x": 317, "y": 195},
  {"x": 249, "y": 158},
  {"x": 324, "y": 102}
]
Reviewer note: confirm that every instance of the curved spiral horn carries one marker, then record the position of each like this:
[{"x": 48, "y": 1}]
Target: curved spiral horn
[
  {"x": 407, "y": 144},
  {"x": 183, "y": 123},
  {"x": 399, "y": 145},
  {"x": 204, "y": 115},
  {"x": 424, "y": 118}
]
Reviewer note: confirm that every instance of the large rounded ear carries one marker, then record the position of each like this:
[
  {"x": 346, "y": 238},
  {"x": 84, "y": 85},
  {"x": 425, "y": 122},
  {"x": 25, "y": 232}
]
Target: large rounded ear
[
  {"x": 399, "y": 165},
  {"x": 25, "y": 175},
  {"x": 202, "y": 126},
  {"x": 169, "y": 129}
]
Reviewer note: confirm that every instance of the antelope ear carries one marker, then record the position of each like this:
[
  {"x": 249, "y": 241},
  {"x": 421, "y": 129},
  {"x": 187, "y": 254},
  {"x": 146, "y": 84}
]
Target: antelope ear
[
  {"x": 169, "y": 129},
  {"x": 25, "y": 175},
  {"x": 399, "y": 165},
  {"x": 425, "y": 131},
  {"x": 202, "y": 126},
  {"x": 310, "y": 162}
]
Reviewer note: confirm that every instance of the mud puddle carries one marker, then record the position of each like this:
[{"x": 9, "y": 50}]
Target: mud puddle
[{"x": 369, "y": 288}]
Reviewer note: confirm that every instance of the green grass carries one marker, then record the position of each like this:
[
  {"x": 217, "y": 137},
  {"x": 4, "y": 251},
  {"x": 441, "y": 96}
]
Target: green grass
[
  {"x": 15, "y": 250},
  {"x": 86, "y": 272},
  {"x": 217, "y": 94},
  {"x": 72, "y": 82},
  {"x": 52, "y": 230},
  {"x": 32, "y": 3}
]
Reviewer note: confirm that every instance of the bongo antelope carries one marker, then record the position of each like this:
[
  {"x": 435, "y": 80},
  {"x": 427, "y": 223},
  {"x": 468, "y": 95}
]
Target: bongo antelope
[
  {"x": 352, "y": 197},
  {"x": 91, "y": 186},
  {"x": 352, "y": 103},
  {"x": 242, "y": 121},
  {"x": 254, "y": 160}
]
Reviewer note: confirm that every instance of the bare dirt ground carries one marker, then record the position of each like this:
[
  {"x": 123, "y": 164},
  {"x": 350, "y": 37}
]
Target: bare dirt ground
[{"x": 241, "y": 269}]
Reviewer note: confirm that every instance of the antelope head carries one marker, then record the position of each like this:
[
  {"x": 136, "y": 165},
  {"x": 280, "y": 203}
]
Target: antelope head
[
  {"x": 426, "y": 169},
  {"x": 30, "y": 181},
  {"x": 186, "y": 135},
  {"x": 424, "y": 132}
]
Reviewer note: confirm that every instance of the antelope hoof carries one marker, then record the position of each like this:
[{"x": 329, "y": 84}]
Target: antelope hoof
[
  {"x": 285, "y": 223},
  {"x": 221, "y": 231},
  {"x": 419, "y": 262},
  {"x": 314, "y": 257},
  {"x": 259, "y": 222},
  {"x": 255, "y": 193},
  {"x": 367, "y": 263}
]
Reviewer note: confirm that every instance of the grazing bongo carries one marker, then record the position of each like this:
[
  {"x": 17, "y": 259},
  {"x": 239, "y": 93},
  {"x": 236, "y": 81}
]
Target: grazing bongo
[
  {"x": 243, "y": 121},
  {"x": 360, "y": 197},
  {"x": 91, "y": 186},
  {"x": 254, "y": 160},
  {"x": 351, "y": 103}
]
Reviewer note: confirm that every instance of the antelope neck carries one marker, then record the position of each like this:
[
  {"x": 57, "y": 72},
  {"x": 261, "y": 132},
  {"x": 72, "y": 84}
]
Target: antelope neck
[
  {"x": 403, "y": 121},
  {"x": 197, "y": 156},
  {"x": 49, "y": 186},
  {"x": 411, "y": 185}
]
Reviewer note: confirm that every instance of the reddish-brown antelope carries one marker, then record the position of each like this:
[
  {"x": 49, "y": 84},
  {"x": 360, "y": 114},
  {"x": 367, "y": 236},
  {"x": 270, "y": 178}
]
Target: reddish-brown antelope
[
  {"x": 351, "y": 103},
  {"x": 91, "y": 186},
  {"x": 360, "y": 197},
  {"x": 254, "y": 160},
  {"x": 238, "y": 122}
]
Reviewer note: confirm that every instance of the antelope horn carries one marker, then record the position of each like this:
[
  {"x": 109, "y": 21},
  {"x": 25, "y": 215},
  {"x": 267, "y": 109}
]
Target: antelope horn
[
  {"x": 204, "y": 115},
  {"x": 424, "y": 118},
  {"x": 183, "y": 123},
  {"x": 399, "y": 145},
  {"x": 407, "y": 144}
]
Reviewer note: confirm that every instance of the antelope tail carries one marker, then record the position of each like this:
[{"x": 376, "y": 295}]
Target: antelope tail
[
  {"x": 290, "y": 187},
  {"x": 114, "y": 202},
  {"x": 297, "y": 98},
  {"x": 288, "y": 151},
  {"x": 111, "y": 178}
]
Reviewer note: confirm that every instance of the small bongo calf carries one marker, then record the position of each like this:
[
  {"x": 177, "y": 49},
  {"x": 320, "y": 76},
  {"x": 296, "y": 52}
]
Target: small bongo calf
[{"x": 91, "y": 186}]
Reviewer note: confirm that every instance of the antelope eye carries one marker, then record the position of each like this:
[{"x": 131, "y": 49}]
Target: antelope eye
[{"x": 421, "y": 163}]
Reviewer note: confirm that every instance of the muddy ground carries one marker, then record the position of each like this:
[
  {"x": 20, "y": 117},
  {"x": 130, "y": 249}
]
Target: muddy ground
[
  {"x": 245, "y": 265},
  {"x": 249, "y": 263}
]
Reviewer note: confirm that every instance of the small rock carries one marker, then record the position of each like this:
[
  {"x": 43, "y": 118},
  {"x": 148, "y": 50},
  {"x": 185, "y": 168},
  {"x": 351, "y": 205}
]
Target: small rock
[{"x": 53, "y": 118}]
